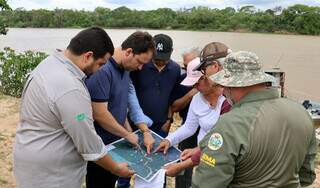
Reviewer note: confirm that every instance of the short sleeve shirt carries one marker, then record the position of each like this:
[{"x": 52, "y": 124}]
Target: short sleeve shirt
[
  {"x": 110, "y": 85},
  {"x": 154, "y": 90},
  {"x": 55, "y": 135}
]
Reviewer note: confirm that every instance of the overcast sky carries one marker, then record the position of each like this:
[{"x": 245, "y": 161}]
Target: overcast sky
[{"x": 153, "y": 4}]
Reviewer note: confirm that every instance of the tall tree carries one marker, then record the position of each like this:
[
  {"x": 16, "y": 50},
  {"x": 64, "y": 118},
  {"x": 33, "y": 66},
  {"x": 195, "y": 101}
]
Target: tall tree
[
  {"x": 3, "y": 6},
  {"x": 250, "y": 9}
]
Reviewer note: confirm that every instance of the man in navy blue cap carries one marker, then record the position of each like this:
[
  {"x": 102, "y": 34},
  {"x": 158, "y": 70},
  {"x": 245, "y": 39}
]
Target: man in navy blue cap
[{"x": 154, "y": 84}]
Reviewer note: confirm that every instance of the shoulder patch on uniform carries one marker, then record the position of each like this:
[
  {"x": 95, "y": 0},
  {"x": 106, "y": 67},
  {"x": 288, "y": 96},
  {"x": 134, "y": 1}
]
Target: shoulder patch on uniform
[{"x": 215, "y": 142}]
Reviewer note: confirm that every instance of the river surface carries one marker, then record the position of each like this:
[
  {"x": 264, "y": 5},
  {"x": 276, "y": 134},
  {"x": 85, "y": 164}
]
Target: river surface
[{"x": 298, "y": 56}]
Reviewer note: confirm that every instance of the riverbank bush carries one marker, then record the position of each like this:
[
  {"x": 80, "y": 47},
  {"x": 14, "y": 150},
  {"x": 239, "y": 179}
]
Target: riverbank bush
[{"x": 14, "y": 69}]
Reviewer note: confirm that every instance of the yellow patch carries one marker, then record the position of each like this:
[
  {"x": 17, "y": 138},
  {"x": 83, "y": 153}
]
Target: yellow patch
[{"x": 208, "y": 160}]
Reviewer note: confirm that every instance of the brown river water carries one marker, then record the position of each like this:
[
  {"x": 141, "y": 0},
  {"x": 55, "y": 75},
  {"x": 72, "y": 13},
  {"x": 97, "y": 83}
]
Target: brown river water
[{"x": 297, "y": 55}]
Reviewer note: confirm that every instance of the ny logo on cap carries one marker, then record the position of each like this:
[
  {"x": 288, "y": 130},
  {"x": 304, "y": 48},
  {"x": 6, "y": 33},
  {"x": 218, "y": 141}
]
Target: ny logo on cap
[{"x": 159, "y": 47}]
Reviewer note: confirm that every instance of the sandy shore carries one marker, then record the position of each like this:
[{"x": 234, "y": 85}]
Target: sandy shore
[
  {"x": 9, "y": 115},
  {"x": 8, "y": 121}
]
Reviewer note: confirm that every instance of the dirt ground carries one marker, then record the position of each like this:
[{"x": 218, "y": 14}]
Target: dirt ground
[
  {"x": 8, "y": 122},
  {"x": 9, "y": 115}
]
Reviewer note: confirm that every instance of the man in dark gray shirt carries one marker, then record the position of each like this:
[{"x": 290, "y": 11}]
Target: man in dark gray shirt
[{"x": 56, "y": 136}]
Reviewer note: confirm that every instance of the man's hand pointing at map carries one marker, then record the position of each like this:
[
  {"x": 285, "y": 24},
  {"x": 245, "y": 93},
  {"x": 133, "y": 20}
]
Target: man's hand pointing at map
[
  {"x": 163, "y": 146},
  {"x": 148, "y": 141}
]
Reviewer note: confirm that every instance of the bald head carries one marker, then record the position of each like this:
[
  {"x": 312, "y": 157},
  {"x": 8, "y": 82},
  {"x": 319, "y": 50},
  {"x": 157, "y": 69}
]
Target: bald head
[{"x": 189, "y": 55}]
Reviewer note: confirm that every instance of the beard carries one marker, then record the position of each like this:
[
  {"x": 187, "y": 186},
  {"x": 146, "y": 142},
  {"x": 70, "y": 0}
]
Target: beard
[{"x": 89, "y": 70}]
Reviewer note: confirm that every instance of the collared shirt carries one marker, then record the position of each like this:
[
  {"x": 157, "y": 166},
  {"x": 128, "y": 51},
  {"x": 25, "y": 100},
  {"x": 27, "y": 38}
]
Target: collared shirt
[
  {"x": 264, "y": 141},
  {"x": 201, "y": 114},
  {"x": 154, "y": 90},
  {"x": 110, "y": 84},
  {"x": 55, "y": 135}
]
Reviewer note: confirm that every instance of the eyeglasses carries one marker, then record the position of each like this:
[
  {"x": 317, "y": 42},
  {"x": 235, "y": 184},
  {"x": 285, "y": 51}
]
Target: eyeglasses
[
  {"x": 215, "y": 85},
  {"x": 205, "y": 65}
]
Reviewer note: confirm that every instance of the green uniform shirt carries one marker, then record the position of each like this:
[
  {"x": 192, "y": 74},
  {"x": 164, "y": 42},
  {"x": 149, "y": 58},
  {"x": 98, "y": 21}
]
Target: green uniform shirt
[{"x": 264, "y": 141}]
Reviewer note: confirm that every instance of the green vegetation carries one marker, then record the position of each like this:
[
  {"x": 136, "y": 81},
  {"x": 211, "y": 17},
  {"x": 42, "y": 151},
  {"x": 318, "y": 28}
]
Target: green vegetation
[
  {"x": 3, "y": 6},
  {"x": 301, "y": 19},
  {"x": 14, "y": 69}
]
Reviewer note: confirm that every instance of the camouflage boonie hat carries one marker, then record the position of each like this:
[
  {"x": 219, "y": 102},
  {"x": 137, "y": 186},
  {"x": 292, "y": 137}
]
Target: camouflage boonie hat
[{"x": 241, "y": 69}]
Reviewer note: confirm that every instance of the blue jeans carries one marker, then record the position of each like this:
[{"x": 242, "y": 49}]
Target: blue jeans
[
  {"x": 162, "y": 133},
  {"x": 123, "y": 183}
]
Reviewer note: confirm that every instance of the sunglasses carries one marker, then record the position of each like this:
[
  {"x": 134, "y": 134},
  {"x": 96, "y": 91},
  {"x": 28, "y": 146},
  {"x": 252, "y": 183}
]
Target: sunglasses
[{"x": 205, "y": 65}]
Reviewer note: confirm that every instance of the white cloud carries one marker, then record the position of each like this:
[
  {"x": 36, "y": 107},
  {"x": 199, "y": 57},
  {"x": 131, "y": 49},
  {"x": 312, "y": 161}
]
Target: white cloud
[
  {"x": 152, "y": 4},
  {"x": 65, "y": 4}
]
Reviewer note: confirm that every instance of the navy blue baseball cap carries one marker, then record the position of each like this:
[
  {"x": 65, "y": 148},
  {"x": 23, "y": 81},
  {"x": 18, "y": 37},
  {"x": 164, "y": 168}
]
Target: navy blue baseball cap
[{"x": 163, "y": 45}]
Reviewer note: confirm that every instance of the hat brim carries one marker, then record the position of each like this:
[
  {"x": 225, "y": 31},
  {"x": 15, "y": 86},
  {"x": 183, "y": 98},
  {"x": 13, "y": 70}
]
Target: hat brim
[
  {"x": 162, "y": 56},
  {"x": 190, "y": 81},
  {"x": 243, "y": 79},
  {"x": 198, "y": 67},
  {"x": 220, "y": 60}
]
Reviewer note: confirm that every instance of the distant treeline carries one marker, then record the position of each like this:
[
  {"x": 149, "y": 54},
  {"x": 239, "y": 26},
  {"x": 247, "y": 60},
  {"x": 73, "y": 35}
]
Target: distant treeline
[{"x": 300, "y": 19}]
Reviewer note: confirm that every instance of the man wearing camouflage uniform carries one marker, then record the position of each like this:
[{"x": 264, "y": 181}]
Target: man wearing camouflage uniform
[{"x": 264, "y": 141}]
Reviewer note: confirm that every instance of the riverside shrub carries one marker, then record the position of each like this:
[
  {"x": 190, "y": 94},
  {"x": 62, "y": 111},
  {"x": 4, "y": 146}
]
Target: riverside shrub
[{"x": 15, "y": 68}]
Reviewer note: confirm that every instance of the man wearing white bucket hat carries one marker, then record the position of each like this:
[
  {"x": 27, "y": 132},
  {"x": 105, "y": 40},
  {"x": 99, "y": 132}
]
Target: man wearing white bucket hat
[{"x": 264, "y": 141}]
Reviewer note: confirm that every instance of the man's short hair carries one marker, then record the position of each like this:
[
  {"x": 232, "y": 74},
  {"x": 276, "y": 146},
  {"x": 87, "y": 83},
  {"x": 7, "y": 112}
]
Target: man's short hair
[
  {"x": 93, "y": 39},
  {"x": 140, "y": 42}
]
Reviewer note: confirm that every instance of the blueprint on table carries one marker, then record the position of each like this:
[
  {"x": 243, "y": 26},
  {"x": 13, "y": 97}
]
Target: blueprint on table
[{"x": 145, "y": 166}]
